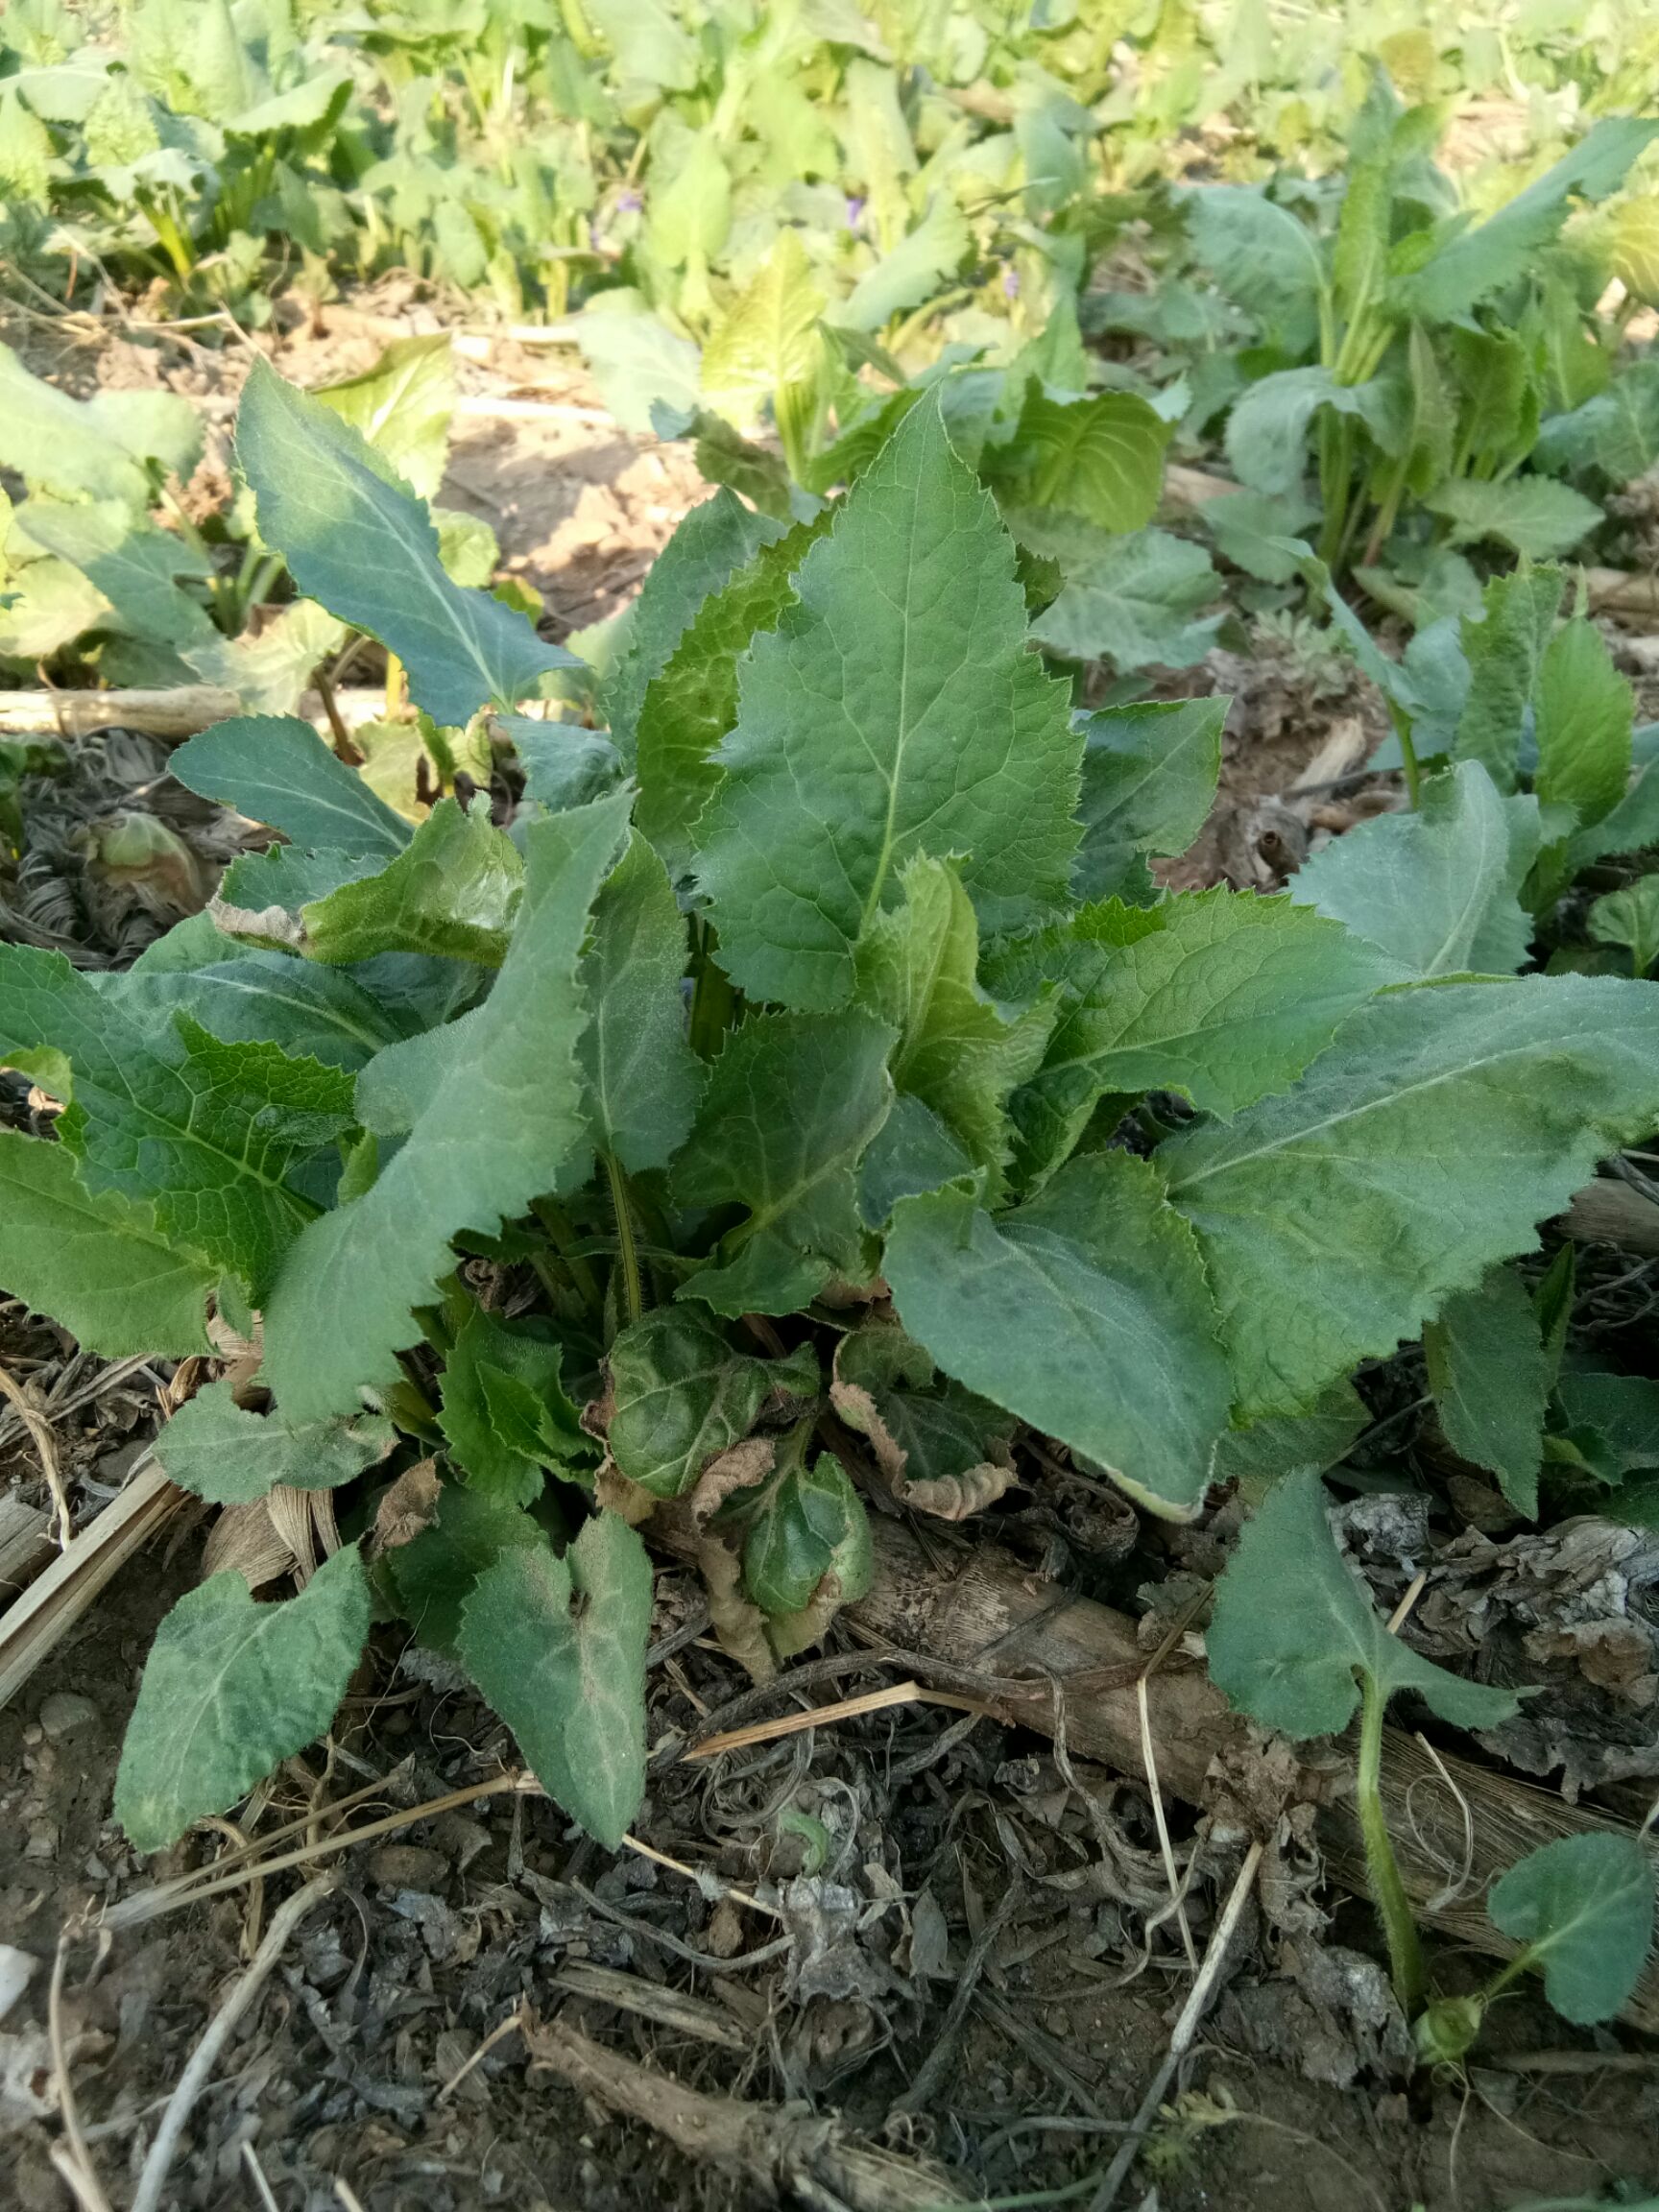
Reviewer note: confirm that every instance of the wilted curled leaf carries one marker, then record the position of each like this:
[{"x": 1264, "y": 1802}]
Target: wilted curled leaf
[
  {"x": 791, "y": 1633},
  {"x": 948, "y": 1429},
  {"x": 408, "y": 1507},
  {"x": 738, "y": 1623},
  {"x": 286, "y": 1532},
  {"x": 740, "y": 1468},
  {"x": 616, "y": 1494}
]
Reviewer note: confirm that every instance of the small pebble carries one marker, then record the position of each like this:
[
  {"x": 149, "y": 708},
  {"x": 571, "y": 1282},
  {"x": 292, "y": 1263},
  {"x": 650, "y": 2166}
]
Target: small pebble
[
  {"x": 43, "y": 1842},
  {"x": 16, "y": 1967},
  {"x": 64, "y": 1712},
  {"x": 408, "y": 1866}
]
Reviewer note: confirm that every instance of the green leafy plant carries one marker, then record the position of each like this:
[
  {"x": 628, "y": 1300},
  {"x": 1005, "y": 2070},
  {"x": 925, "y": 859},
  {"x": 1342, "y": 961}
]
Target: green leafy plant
[{"x": 806, "y": 1090}]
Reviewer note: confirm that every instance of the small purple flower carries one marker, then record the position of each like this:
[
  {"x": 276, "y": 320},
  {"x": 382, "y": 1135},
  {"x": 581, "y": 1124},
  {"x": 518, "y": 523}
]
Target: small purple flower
[
  {"x": 1010, "y": 283},
  {"x": 629, "y": 202},
  {"x": 854, "y": 213}
]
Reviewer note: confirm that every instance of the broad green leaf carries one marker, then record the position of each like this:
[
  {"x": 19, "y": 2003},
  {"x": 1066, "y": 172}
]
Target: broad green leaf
[
  {"x": 642, "y": 1076},
  {"x": 276, "y": 769},
  {"x": 1583, "y": 1909},
  {"x": 681, "y": 1395},
  {"x": 355, "y": 539},
  {"x": 96, "y": 1264},
  {"x": 1475, "y": 264},
  {"x": 206, "y": 1132},
  {"x": 49, "y": 605},
  {"x": 1149, "y": 776},
  {"x": 133, "y": 563},
  {"x": 713, "y": 543},
  {"x": 1497, "y": 401},
  {"x": 402, "y": 407},
  {"x": 649, "y": 44},
  {"x": 915, "y": 270},
  {"x": 1268, "y": 429},
  {"x": 638, "y": 364},
  {"x": 453, "y": 890},
  {"x": 810, "y": 1525},
  {"x": 1533, "y": 515},
  {"x": 1616, "y": 431},
  {"x": 1440, "y": 1127},
  {"x": 1134, "y": 601},
  {"x": 1615, "y": 1418},
  {"x": 92, "y": 449},
  {"x": 1270, "y": 1449},
  {"x": 1632, "y": 827},
  {"x": 1084, "y": 1313},
  {"x": 1260, "y": 257},
  {"x": 918, "y": 972},
  {"x": 1436, "y": 890},
  {"x": 229, "y": 1456},
  {"x": 1100, "y": 458},
  {"x": 558, "y": 1648},
  {"x": 911, "y": 1152},
  {"x": 893, "y": 710},
  {"x": 491, "y": 1135},
  {"x": 690, "y": 707},
  {"x": 505, "y": 1415},
  {"x": 252, "y": 996},
  {"x": 269, "y": 673},
  {"x": 1220, "y": 995},
  {"x": 1506, "y": 651},
  {"x": 792, "y": 1101},
  {"x": 564, "y": 764},
  {"x": 230, "y": 1690},
  {"x": 768, "y": 338},
  {"x": 1585, "y": 713},
  {"x": 1491, "y": 1384},
  {"x": 433, "y": 1576},
  {"x": 1630, "y": 918},
  {"x": 1252, "y": 529},
  {"x": 1293, "y": 1626}
]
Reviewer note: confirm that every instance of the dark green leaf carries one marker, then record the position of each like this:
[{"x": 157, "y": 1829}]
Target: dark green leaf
[
  {"x": 1491, "y": 1384},
  {"x": 276, "y": 769}
]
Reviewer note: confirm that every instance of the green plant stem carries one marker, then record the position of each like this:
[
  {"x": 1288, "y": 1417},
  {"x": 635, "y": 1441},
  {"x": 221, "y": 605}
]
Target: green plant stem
[
  {"x": 553, "y": 1219},
  {"x": 627, "y": 1251},
  {"x": 1387, "y": 1891},
  {"x": 1409, "y": 757}
]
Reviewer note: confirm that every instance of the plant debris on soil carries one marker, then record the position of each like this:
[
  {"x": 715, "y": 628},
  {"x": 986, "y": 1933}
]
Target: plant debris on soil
[{"x": 911, "y": 1954}]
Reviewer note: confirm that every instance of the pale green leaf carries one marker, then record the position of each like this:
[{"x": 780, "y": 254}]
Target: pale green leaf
[
  {"x": 917, "y": 971},
  {"x": 453, "y": 890},
  {"x": 809, "y": 1525},
  {"x": 1293, "y": 1626},
  {"x": 1270, "y": 1449},
  {"x": 222, "y": 1452},
  {"x": 1438, "y": 889},
  {"x": 768, "y": 337},
  {"x": 1584, "y": 1910},
  {"x": 558, "y": 1648},
  {"x": 402, "y": 407},
  {"x": 358, "y": 540},
  {"x": 1491, "y": 1384},
  {"x": 893, "y": 710},
  {"x": 253, "y": 995},
  {"x": 92, "y": 449},
  {"x": 1586, "y": 711},
  {"x": 492, "y": 1135},
  {"x": 1260, "y": 257},
  {"x": 1533, "y": 515},
  {"x": 97, "y": 1264},
  {"x": 1100, "y": 458},
  {"x": 1440, "y": 1127},
  {"x": 230, "y": 1690},
  {"x": 1268, "y": 429},
  {"x": 916, "y": 269},
  {"x": 1134, "y": 601},
  {"x": 1506, "y": 651},
  {"x": 134, "y": 566},
  {"x": 911, "y": 1152},
  {"x": 275, "y": 769},
  {"x": 1084, "y": 1313},
  {"x": 1615, "y": 431}
]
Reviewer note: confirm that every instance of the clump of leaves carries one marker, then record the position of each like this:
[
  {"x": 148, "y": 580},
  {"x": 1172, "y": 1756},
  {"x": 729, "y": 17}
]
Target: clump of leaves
[{"x": 714, "y": 1168}]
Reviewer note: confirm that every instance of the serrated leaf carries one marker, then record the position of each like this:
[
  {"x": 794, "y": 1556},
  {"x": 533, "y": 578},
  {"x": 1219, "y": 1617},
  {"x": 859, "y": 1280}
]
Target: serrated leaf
[
  {"x": 133, "y": 563},
  {"x": 96, "y": 1264},
  {"x": 768, "y": 338},
  {"x": 642, "y": 1078},
  {"x": 1220, "y": 995},
  {"x": 491, "y": 1135},
  {"x": 711, "y": 544},
  {"x": 1491, "y": 1384},
  {"x": 1615, "y": 431},
  {"x": 681, "y": 1395},
  {"x": 269, "y": 673},
  {"x": 402, "y": 406},
  {"x": 893, "y": 710},
  {"x": 453, "y": 891},
  {"x": 1583, "y": 1909},
  {"x": 505, "y": 1415},
  {"x": 1292, "y": 1625},
  {"x": 1439, "y": 1128},
  {"x": 691, "y": 704},
  {"x": 1132, "y": 601},
  {"x": 558, "y": 1648},
  {"x": 1473, "y": 265},
  {"x": 1436, "y": 890},
  {"x": 1505, "y": 652},
  {"x": 1616, "y": 1417},
  {"x": 230, "y": 1690},
  {"x": 911, "y": 1152},
  {"x": 918, "y": 970},
  {"x": 792, "y": 1101},
  {"x": 1630, "y": 918},
  {"x": 914, "y": 270},
  {"x": 1084, "y": 1313},
  {"x": 276, "y": 769},
  {"x": 1100, "y": 458},
  {"x": 252, "y": 996},
  {"x": 811, "y": 1524},
  {"x": 1586, "y": 711},
  {"x": 1149, "y": 778},
  {"x": 205, "y": 1131},
  {"x": 1533, "y": 515},
  {"x": 217, "y": 1450},
  {"x": 360, "y": 543}
]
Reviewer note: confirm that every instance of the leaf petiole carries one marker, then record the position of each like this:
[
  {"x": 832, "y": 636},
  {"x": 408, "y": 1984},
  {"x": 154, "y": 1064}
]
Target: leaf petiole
[
  {"x": 1387, "y": 1890},
  {"x": 627, "y": 1251}
]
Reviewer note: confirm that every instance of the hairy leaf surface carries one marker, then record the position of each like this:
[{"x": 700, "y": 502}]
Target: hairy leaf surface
[
  {"x": 1491, "y": 1381},
  {"x": 1583, "y": 1908},
  {"x": 222, "y": 1452}
]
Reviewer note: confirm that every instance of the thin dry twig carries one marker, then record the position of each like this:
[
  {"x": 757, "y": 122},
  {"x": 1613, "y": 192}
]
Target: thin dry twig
[
  {"x": 46, "y": 1451},
  {"x": 70, "y": 2157},
  {"x": 1185, "y": 2030},
  {"x": 152, "y": 2181},
  {"x": 1172, "y": 1873},
  {"x": 819, "y": 1715},
  {"x": 250, "y": 2160},
  {"x": 516, "y": 2021},
  {"x": 933, "y": 2068}
]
